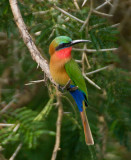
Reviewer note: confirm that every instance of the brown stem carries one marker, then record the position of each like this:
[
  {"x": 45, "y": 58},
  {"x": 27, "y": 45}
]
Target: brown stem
[
  {"x": 58, "y": 126},
  {"x": 36, "y": 56}
]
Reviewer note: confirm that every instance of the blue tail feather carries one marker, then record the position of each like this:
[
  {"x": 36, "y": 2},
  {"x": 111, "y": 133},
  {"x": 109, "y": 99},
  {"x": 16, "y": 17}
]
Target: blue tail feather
[{"x": 79, "y": 97}]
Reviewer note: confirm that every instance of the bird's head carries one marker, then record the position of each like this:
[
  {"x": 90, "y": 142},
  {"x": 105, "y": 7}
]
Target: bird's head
[{"x": 62, "y": 42}]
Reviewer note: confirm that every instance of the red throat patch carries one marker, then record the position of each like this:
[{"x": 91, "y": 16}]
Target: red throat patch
[{"x": 64, "y": 53}]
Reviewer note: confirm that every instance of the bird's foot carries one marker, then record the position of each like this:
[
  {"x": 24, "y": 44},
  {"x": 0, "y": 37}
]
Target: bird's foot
[
  {"x": 60, "y": 88},
  {"x": 67, "y": 87},
  {"x": 73, "y": 89}
]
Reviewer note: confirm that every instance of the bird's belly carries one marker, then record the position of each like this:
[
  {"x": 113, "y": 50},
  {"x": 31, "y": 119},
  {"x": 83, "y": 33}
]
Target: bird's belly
[{"x": 59, "y": 75}]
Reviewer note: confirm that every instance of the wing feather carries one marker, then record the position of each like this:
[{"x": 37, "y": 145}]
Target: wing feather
[{"x": 75, "y": 75}]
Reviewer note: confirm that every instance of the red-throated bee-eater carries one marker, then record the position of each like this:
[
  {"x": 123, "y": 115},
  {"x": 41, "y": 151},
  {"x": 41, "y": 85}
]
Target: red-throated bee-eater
[{"x": 63, "y": 70}]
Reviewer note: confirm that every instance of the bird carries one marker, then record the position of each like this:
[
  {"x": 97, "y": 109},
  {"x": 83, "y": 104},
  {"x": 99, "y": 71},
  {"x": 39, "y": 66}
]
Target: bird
[{"x": 66, "y": 72}]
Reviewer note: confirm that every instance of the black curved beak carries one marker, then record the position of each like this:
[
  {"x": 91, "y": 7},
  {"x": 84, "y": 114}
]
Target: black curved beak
[
  {"x": 78, "y": 41},
  {"x": 64, "y": 45}
]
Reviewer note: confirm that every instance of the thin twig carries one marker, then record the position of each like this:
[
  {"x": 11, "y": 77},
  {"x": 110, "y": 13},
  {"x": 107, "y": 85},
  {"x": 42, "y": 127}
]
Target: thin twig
[
  {"x": 6, "y": 125},
  {"x": 94, "y": 50},
  {"x": 37, "y": 33},
  {"x": 84, "y": 2},
  {"x": 14, "y": 131},
  {"x": 76, "y": 4},
  {"x": 51, "y": 35},
  {"x": 68, "y": 14},
  {"x": 95, "y": 26},
  {"x": 86, "y": 59},
  {"x": 115, "y": 25},
  {"x": 102, "y": 5},
  {"x": 78, "y": 61},
  {"x": 98, "y": 70},
  {"x": 9, "y": 104},
  {"x": 73, "y": 107},
  {"x": 34, "y": 82},
  {"x": 83, "y": 64},
  {"x": 91, "y": 82},
  {"x": 36, "y": 56},
  {"x": 58, "y": 126},
  {"x": 108, "y": 1},
  {"x": 16, "y": 152},
  {"x": 87, "y": 62},
  {"x": 16, "y": 127},
  {"x": 66, "y": 19},
  {"x": 102, "y": 14},
  {"x": 88, "y": 17}
]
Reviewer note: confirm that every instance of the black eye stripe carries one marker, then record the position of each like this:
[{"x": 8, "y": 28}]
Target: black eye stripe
[{"x": 63, "y": 45}]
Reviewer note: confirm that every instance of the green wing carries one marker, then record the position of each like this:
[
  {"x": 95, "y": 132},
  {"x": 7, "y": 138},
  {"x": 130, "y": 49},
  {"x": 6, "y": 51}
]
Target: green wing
[{"x": 75, "y": 75}]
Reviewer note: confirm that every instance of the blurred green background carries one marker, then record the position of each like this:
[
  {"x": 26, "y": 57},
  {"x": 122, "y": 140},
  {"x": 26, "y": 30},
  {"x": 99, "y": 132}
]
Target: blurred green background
[{"x": 32, "y": 108}]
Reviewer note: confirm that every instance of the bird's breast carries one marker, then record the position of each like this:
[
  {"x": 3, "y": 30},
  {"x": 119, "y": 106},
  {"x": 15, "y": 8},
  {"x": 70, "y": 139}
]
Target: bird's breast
[{"x": 57, "y": 69}]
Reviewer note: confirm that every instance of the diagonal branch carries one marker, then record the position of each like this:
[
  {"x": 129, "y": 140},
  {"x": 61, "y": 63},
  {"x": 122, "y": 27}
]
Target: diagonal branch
[
  {"x": 102, "y": 14},
  {"x": 103, "y": 4},
  {"x": 76, "y": 4},
  {"x": 84, "y": 2},
  {"x": 91, "y": 82},
  {"x": 100, "y": 69},
  {"x": 36, "y": 56},
  {"x": 16, "y": 152},
  {"x": 68, "y": 14},
  {"x": 88, "y": 17},
  {"x": 9, "y": 104}
]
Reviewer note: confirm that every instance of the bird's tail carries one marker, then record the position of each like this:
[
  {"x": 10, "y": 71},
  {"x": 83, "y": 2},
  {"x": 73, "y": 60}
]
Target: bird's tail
[
  {"x": 80, "y": 100},
  {"x": 88, "y": 135}
]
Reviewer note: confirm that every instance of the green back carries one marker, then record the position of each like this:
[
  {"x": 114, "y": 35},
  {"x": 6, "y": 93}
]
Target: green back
[{"x": 75, "y": 75}]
